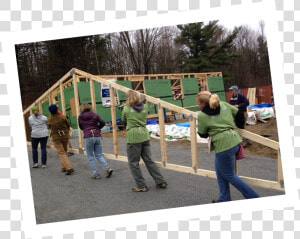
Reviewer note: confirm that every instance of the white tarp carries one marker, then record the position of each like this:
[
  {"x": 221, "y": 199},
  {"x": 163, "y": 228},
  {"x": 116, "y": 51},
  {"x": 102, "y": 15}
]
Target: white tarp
[{"x": 174, "y": 133}]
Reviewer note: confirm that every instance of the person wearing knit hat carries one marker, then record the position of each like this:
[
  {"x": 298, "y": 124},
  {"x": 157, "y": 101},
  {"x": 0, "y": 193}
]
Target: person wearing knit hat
[
  {"x": 39, "y": 135},
  {"x": 60, "y": 125}
]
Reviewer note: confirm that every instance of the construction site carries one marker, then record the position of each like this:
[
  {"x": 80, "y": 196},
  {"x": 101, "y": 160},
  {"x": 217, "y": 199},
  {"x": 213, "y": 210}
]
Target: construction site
[{"x": 176, "y": 147}]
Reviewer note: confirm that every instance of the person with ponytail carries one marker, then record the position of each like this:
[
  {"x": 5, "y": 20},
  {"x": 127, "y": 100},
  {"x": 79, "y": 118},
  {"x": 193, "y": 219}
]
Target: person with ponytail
[
  {"x": 218, "y": 120},
  {"x": 134, "y": 117}
]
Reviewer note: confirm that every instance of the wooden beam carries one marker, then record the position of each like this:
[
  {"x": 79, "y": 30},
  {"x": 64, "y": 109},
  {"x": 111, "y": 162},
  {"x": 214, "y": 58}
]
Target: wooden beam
[
  {"x": 62, "y": 99},
  {"x": 93, "y": 97},
  {"x": 193, "y": 131},
  {"x": 259, "y": 139},
  {"x": 77, "y": 109},
  {"x": 280, "y": 173},
  {"x": 41, "y": 107},
  {"x": 68, "y": 74},
  {"x": 114, "y": 121},
  {"x": 184, "y": 169},
  {"x": 163, "y": 146}
]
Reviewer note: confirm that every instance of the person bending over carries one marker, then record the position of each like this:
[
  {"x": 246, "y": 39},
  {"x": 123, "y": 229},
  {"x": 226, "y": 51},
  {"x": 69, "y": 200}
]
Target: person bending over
[{"x": 216, "y": 120}]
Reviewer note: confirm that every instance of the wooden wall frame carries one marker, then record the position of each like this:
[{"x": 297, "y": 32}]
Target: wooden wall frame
[{"x": 194, "y": 168}]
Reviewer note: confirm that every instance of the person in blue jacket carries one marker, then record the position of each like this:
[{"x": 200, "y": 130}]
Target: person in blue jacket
[
  {"x": 241, "y": 102},
  {"x": 238, "y": 100}
]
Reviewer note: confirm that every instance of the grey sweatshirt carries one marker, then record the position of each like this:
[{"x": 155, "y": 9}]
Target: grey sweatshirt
[{"x": 39, "y": 127}]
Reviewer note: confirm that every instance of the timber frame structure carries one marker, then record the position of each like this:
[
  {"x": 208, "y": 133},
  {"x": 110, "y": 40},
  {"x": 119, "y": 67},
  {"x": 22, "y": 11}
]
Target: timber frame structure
[{"x": 74, "y": 76}]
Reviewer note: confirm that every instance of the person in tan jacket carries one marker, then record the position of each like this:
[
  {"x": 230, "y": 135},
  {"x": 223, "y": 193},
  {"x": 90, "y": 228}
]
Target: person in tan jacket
[{"x": 59, "y": 125}]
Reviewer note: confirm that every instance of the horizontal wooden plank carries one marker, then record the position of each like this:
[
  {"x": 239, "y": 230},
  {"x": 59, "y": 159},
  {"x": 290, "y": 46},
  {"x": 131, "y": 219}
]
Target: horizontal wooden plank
[
  {"x": 184, "y": 169},
  {"x": 259, "y": 139}
]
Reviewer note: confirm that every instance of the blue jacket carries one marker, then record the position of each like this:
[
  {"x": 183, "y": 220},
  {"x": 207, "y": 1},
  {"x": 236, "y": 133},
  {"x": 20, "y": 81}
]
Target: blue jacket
[{"x": 241, "y": 101}]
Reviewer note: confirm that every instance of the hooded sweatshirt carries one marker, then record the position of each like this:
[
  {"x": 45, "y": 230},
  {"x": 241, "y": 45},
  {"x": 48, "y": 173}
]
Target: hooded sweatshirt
[
  {"x": 91, "y": 124},
  {"x": 219, "y": 124},
  {"x": 135, "y": 117},
  {"x": 39, "y": 127}
]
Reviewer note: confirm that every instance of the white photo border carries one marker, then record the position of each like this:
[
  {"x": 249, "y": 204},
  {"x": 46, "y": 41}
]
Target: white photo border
[{"x": 170, "y": 19}]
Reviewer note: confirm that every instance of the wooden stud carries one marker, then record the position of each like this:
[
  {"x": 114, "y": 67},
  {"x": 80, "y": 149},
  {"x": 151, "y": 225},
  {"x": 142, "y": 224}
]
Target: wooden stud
[
  {"x": 114, "y": 121},
  {"x": 62, "y": 99},
  {"x": 163, "y": 146},
  {"x": 80, "y": 136},
  {"x": 93, "y": 97},
  {"x": 236, "y": 167},
  {"x": 193, "y": 130},
  {"x": 41, "y": 107},
  {"x": 280, "y": 173}
]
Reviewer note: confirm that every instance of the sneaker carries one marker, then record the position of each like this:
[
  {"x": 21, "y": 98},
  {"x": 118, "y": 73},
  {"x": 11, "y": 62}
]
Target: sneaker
[
  {"x": 96, "y": 177},
  {"x": 162, "y": 185},
  {"x": 69, "y": 172},
  {"x": 136, "y": 189},
  {"x": 215, "y": 201},
  {"x": 44, "y": 166},
  {"x": 109, "y": 172},
  {"x": 36, "y": 165}
]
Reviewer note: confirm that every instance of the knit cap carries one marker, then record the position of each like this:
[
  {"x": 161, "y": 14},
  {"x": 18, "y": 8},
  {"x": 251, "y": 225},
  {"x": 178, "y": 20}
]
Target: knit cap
[
  {"x": 35, "y": 108},
  {"x": 53, "y": 109}
]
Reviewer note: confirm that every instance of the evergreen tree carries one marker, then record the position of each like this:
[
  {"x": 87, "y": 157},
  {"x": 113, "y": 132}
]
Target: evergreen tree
[{"x": 203, "y": 51}]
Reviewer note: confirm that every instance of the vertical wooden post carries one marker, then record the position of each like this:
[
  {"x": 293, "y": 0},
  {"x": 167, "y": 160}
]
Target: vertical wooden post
[
  {"x": 236, "y": 167},
  {"x": 50, "y": 98},
  {"x": 114, "y": 121},
  {"x": 193, "y": 130},
  {"x": 40, "y": 107},
  {"x": 280, "y": 173},
  {"x": 80, "y": 136},
  {"x": 93, "y": 97},
  {"x": 62, "y": 99},
  {"x": 163, "y": 146}
]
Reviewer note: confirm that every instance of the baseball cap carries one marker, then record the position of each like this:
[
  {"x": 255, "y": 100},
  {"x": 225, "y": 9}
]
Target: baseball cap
[{"x": 234, "y": 87}]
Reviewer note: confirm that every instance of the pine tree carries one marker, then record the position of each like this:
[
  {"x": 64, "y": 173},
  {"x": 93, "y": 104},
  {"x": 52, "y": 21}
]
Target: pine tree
[{"x": 203, "y": 51}]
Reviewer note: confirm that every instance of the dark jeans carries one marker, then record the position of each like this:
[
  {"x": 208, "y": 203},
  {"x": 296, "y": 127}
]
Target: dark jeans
[
  {"x": 134, "y": 152},
  {"x": 225, "y": 170},
  {"x": 34, "y": 143}
]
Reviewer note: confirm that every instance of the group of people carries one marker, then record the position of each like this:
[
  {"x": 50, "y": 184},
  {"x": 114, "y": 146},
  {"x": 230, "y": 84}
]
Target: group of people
[{"x": 216, "y": 119}]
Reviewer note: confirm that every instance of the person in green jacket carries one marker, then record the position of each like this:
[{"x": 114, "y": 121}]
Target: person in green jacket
[
  {"x": 134, "y": 116},
  {"x": 217, "y": 119}
]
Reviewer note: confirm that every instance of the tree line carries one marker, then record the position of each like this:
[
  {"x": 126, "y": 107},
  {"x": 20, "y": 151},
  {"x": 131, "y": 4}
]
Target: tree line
[{"x": 240, "y": 54}]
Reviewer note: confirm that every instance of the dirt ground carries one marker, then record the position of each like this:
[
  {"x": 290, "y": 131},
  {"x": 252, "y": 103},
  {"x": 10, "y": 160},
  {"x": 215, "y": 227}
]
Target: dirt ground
[{"x": 268, "y": 130}]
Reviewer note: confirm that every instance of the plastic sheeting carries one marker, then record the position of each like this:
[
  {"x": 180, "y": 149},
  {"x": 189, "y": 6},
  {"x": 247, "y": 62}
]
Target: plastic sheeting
[{"x": 174, "y": 133}]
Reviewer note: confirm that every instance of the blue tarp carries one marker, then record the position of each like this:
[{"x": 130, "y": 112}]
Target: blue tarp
[
  {"x": 186, "y": 124},
  {"x": 253, "y": 107},
  {"x": 154, "y": 121}
]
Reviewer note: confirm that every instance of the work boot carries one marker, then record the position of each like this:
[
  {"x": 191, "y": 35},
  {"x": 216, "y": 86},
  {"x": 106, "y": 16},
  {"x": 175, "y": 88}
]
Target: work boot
[
  {"x": 109, "y": 172},
  {"x": 69, "y": 172}
]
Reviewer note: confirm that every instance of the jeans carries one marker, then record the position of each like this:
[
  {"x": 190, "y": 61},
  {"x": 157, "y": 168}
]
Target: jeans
[
  {"x": 225, "y": 170},
  {"x": 134, "y": 152},
  {"x": 93, "y": 146},
  {"x": 34, "y": 143}
]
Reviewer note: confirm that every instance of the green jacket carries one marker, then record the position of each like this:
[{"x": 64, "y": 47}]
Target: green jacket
[
  {"x": 220, "y": 126},
  {"x": 136, "y": 124},
  {"x": 59, "y": 125}
]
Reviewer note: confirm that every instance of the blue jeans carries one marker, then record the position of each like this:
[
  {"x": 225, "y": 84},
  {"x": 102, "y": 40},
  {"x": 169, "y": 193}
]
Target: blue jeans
[
  {"x": 34, "y": 143},
  {"x": 225, "y": 170},
  {"x": 93, "y": 146}
]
